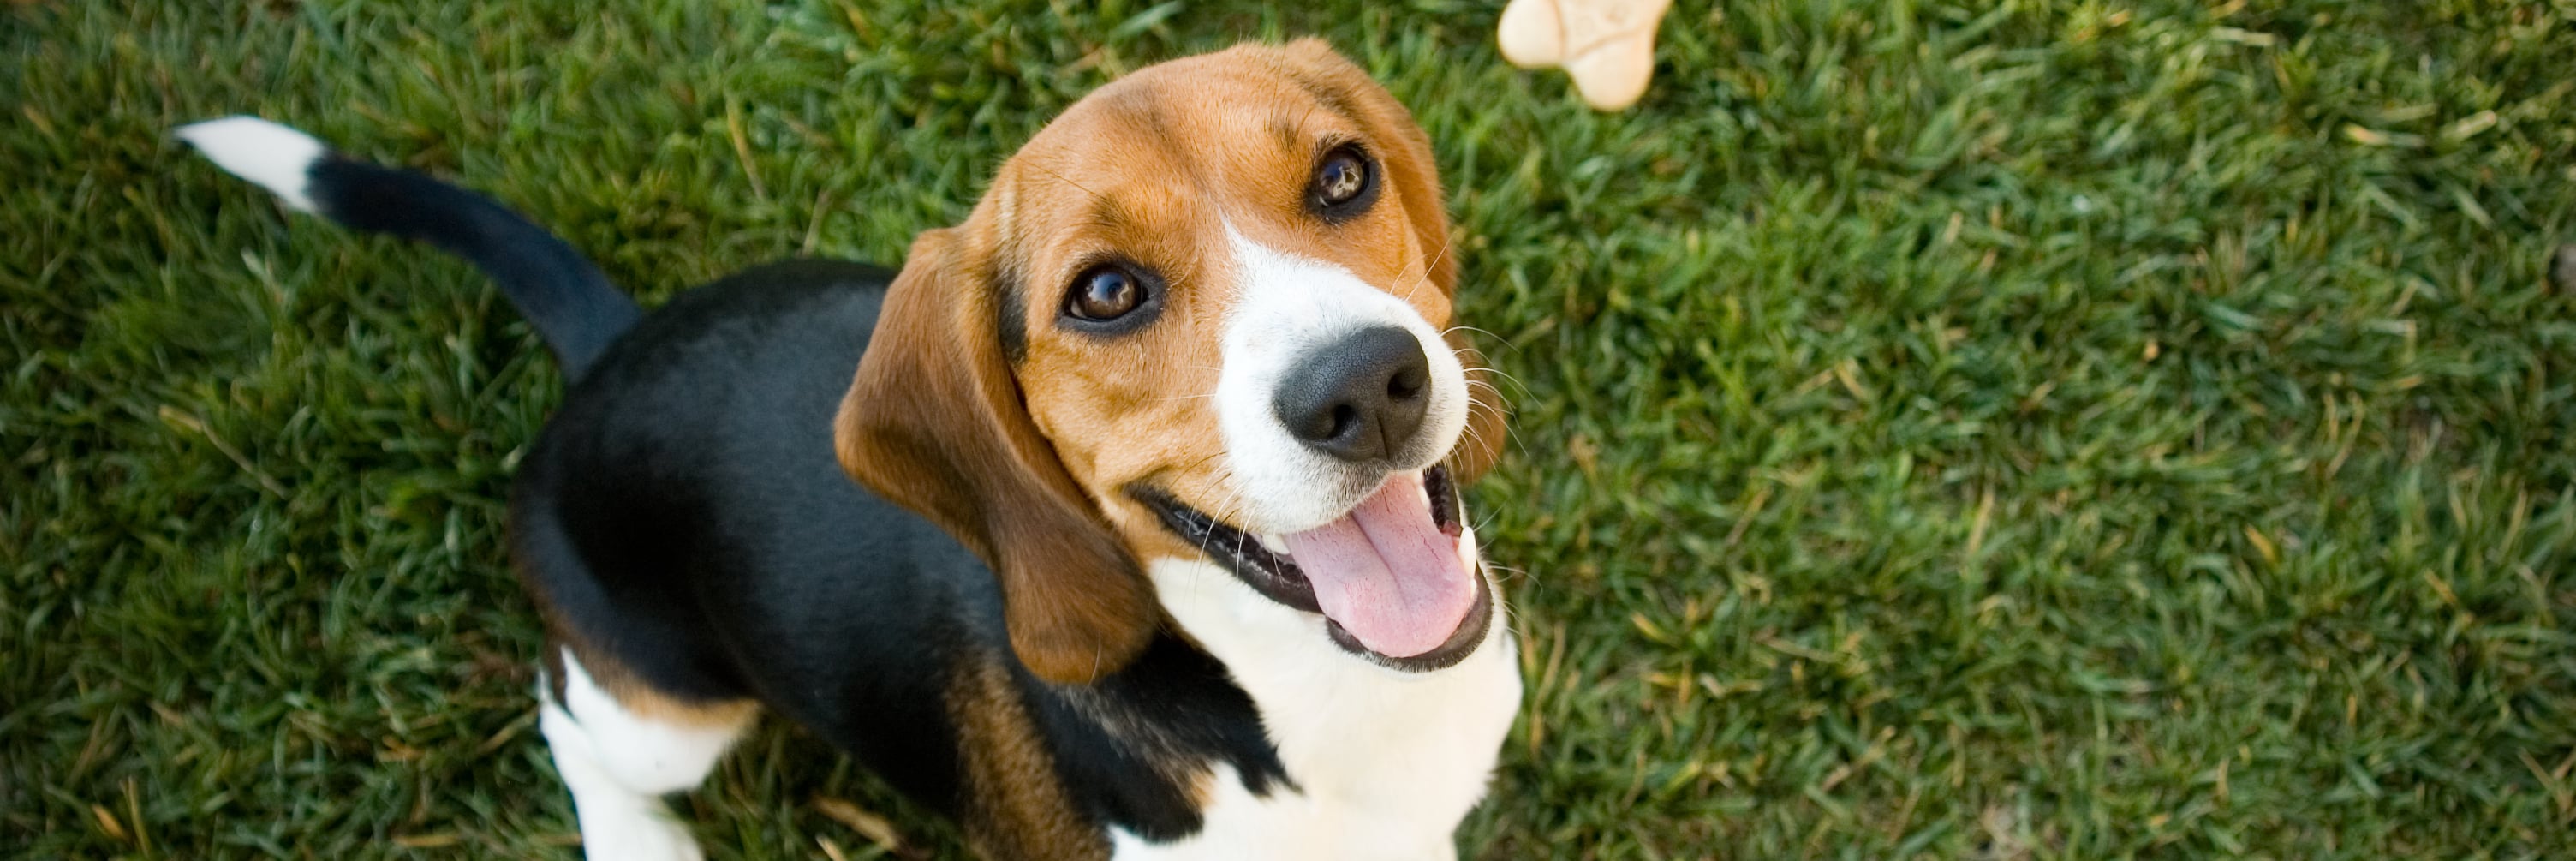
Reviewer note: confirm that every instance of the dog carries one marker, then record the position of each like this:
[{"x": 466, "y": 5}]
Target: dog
[{"x": 1122, "y": 522}]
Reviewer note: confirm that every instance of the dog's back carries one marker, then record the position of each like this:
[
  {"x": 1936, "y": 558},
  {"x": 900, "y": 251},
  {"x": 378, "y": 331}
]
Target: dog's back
[{"x": 684, "y": 505}]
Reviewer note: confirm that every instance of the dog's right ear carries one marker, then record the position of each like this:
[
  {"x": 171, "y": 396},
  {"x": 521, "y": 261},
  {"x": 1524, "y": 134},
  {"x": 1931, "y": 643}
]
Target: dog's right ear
[{"x": 935, "y": 422}]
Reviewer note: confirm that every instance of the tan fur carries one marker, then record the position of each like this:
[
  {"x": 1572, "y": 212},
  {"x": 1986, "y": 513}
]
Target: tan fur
[
  {"x": 1028, "y": 462},
  {"x": 635, "y": 695},
  {"x": 1482, "y": 443},
  {"x": 641, "y": 700},
  {"x": 934, "y": 421},
  {"x": 1017, "y": 808},
  {"x": 630, "y": 690}
]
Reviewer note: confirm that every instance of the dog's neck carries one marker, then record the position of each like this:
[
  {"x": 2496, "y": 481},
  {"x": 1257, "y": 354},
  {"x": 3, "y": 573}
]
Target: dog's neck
[{"x": 1396, "y": 759}]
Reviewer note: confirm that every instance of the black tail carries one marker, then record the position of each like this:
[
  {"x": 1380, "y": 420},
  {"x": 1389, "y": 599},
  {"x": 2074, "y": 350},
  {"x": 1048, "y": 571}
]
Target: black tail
[{"x": 574, "y": 307}]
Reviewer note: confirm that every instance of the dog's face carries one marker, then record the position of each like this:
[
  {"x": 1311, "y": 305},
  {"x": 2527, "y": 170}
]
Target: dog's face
[{"x": 1199, "y": 316}]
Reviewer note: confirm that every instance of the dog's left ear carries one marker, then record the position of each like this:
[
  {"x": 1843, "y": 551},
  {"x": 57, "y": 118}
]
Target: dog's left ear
[
  {"x": 1336, "y": 81},
  {"x": 935, "y": 422}
]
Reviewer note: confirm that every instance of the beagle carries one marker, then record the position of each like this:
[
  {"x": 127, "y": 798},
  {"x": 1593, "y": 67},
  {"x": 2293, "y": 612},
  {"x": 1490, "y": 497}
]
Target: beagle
[{"x": 1154, "y": 549}]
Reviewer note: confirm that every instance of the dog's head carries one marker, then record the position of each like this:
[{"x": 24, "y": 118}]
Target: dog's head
[{"x": 1201, "y": 315}]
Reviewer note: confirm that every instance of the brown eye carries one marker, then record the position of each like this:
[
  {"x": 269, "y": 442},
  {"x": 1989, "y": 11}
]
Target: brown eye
[
  {"x": 1345, "y": 183},
  {"x": 1104, "y": 293}
]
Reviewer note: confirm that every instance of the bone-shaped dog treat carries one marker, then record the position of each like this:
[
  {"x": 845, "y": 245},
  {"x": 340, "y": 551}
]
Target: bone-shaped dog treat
[{"x": 1607, "y": 46}]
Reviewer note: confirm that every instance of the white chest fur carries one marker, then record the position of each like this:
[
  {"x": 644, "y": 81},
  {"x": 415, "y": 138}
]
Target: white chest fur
[{"x": 1386, "y": 762}]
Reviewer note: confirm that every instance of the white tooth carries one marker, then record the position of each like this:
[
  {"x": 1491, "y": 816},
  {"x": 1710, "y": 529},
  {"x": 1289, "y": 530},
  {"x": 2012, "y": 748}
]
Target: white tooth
[{"x": 1274, "y": 543}]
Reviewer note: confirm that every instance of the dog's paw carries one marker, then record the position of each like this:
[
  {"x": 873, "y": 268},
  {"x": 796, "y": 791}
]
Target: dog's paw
[{"x": 1606, "y": 46}]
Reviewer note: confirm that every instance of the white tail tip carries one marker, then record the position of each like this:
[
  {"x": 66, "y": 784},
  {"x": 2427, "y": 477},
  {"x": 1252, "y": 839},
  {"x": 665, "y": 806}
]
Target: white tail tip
[{"x": 276, "y": 157}]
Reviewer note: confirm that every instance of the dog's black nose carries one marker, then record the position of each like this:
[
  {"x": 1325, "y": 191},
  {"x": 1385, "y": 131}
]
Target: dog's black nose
[{"x": 1359, "y": 398}]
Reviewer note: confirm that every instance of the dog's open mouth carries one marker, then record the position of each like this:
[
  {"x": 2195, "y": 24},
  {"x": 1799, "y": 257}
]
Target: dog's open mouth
[{"x": 1389, "y": 576}]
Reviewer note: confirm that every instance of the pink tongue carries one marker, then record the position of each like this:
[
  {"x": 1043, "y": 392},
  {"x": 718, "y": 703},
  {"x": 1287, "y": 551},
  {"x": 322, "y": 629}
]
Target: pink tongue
[{"x": 1387, "y": 573}]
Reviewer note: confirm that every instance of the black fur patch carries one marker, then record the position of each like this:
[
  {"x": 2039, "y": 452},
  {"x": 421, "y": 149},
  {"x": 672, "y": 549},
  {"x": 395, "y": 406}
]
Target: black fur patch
[
  {"x": 1130, "y": 746},
  {"x": 685, "y": 512},
  {"x": 1008, "y": 291}
]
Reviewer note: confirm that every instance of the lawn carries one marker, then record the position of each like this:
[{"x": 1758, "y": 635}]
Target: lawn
[{"x": 1943, "y": 429}]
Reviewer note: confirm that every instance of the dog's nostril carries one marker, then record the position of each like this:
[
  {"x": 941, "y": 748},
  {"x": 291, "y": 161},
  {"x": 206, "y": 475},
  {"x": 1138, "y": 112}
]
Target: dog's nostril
[
  {"x": 1405, "y": 385},
  {"x": 1343, "y": 417}
]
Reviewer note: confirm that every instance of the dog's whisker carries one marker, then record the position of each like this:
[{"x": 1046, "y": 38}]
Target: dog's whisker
[
  {"x": 1500, "y": 374},
  {"x": 1485, "y": 332},
  {"x": 1476, "y": 437},
  {"x": 1427, "y": 269}
]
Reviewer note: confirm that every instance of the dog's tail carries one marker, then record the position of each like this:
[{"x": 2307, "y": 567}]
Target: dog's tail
[{"x": 574, "y": 307}]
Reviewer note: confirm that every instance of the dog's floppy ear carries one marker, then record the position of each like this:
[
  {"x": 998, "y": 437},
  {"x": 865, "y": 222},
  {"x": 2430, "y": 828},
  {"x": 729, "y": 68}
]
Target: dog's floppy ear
[
  {"x": 1337, "y": 82},
  {"x": 934, "y": 421}
]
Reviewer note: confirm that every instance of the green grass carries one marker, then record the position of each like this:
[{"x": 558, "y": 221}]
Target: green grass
[{"x": 1945, "y": 429}]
